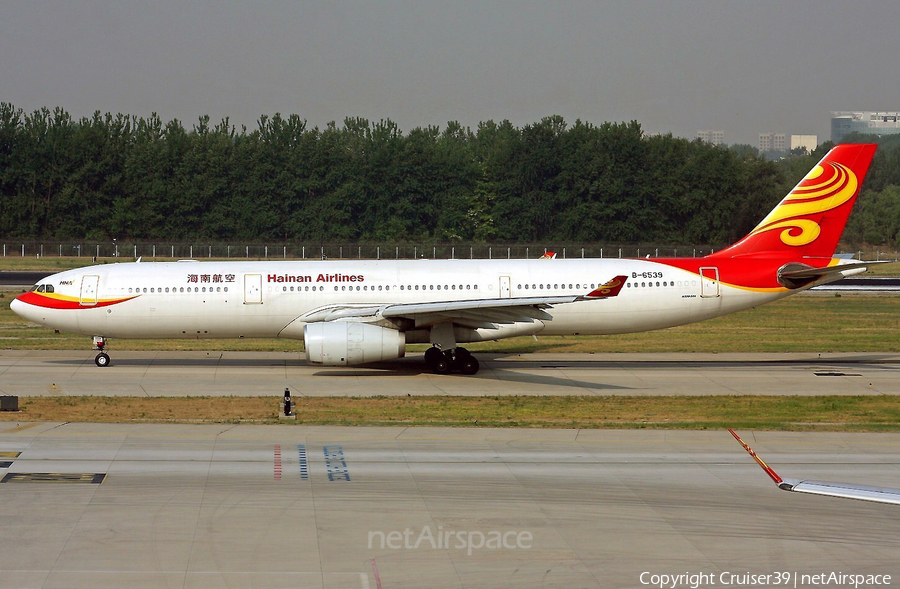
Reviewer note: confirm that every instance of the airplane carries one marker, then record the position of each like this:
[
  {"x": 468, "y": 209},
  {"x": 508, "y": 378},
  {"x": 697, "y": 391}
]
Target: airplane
[
  {"x": 842, "y": 490},
  {"x": 352, "y": 312}
]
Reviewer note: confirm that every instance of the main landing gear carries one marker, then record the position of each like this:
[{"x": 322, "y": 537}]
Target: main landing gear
[
  {"x": 444, "y": 361},
  {"x": 102, "y": 358}
]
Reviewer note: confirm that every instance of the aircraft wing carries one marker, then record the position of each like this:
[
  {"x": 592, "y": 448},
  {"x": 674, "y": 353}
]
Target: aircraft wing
[
  {"x": 480, "y": 313},
  {"x": 843, "y": 490}
]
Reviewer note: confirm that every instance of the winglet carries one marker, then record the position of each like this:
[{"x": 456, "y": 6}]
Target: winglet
[
  {"x": 772, "y": 474},
  {"x": 610, "y": 289},
  {"x": 548, "y": 256}
]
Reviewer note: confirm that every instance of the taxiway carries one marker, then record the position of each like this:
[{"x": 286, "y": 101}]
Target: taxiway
[
  {"x": 32, "y": 373},
  {"x": 104, "y": 505}
]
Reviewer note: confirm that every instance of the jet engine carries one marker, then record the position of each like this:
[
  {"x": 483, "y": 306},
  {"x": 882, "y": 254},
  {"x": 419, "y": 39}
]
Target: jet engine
[{"x": 342, "y": 343}]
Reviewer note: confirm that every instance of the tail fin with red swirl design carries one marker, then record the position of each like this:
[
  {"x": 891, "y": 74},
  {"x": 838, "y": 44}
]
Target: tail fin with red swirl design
[{"x": 810, "y": 220}]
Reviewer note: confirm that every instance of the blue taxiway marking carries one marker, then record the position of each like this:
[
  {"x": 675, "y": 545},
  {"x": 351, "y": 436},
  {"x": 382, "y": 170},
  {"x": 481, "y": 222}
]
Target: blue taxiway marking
[
  {"x": 335, "y": 463},
  {"x": 304, "y": 464}
]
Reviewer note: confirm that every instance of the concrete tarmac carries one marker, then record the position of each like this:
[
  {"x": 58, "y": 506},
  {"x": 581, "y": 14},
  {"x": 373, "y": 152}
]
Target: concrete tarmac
[
  {"x": 292, "y": 506},
  {"x": 32, "y": 373}
]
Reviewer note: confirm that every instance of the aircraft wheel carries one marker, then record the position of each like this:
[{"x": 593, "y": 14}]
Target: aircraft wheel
[
  {"x": 432, "y": 355},
  {"x": 442, "y": 365},
  {"x": 102, "y": 360},
  {"x": 468, "y": 365}
]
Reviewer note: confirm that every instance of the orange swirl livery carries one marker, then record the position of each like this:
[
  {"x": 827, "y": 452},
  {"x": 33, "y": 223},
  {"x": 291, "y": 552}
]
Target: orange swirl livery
[
  {"x": 810, "y": 220},
  {"x": 60, "y": 301},
  {"x": 809, "y": 198}
]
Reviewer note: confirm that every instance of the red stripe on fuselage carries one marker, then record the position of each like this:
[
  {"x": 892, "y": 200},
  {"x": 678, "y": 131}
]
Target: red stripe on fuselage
[
  {"x": 745, "y": 272},
  {"x": 49, "y": 302}
]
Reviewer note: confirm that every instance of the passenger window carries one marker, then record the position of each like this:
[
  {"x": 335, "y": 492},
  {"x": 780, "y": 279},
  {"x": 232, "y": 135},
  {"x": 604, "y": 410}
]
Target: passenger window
[
  {"x": 219, "y": 289},
  {"x": 145, "y": 290},
  {"x": 129, "y": 290}
]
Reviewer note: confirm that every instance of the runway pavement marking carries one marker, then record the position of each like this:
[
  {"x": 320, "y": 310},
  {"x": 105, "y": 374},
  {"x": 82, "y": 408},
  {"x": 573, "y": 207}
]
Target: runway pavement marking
[
  {"x": 277, "y": 461},
  {"x": 335, "y": 463},
  {"x": 9, "y": 454},
  {"x": 302, "y": 460},
  {"x": 53, "y": 477},
  {"x": 20, "y": 428},
  {"x": 5, "y": 464}
]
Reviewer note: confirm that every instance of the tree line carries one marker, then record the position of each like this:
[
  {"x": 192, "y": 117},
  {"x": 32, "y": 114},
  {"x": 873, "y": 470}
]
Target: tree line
[{"x": 120, "y": 176}]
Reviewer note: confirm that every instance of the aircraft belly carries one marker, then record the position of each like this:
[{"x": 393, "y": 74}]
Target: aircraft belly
[{"x": 203, "y": 319}]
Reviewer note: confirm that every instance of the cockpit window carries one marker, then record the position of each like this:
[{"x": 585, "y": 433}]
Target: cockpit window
[
  {"x": 40, "y": 288},
  {"x": 49, "y": 288}
]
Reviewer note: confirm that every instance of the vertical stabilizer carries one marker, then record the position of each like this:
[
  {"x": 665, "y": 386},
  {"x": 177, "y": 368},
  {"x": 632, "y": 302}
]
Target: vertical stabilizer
[{"x": 809, "y": 221}]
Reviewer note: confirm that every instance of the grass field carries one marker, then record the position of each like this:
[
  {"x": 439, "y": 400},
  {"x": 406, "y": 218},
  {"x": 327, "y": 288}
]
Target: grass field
[{"x": 827, "y": 413}]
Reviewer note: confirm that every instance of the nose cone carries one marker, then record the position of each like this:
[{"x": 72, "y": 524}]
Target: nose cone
[
  {"x": 23, "y": 309},
  {"x": 17, "y": 306}
]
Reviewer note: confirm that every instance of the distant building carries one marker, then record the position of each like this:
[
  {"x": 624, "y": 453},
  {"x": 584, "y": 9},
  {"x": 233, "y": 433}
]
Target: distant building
[
  {"x": 772, "y": 142},
  {"x": 714, "y": 137},
  {"x": 807, "y": 142},
  {"x": 867, "y": 122}
]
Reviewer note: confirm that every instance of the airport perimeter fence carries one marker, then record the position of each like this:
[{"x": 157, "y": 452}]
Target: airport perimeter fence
[{"x": 295, "y": 251}]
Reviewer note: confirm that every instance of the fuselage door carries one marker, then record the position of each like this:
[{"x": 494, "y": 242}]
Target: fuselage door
[
  {"x": 89, "y": 285},
  {"x": 252, "y": 289},
  {"x": 709, "y": 282},
  {"x": 504, "y": 287}
]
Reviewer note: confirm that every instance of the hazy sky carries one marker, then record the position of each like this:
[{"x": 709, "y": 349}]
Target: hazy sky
[{"x": 744, "y": 67}]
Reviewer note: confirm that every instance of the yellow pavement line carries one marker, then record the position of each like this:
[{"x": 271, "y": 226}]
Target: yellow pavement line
[{"x": 20, "y": 428}]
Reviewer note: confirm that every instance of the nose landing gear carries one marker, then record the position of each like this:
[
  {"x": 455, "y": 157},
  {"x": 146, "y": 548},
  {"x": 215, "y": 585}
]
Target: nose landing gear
[{"x": 102, "y": 358}]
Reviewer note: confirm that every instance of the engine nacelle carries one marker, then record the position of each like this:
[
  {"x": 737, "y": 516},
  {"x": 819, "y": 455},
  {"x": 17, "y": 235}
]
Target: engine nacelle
[{"x": 342, "y": 343}]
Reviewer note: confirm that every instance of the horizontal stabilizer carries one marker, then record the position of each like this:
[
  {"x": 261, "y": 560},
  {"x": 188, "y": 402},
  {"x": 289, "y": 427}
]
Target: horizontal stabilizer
[{"x": 818, "y": 272}]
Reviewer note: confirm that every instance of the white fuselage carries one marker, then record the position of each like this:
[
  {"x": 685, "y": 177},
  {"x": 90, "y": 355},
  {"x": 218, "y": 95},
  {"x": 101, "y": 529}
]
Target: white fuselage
[{"x": 262, "y": 299}]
